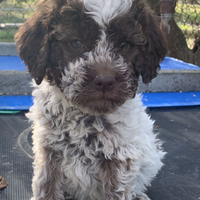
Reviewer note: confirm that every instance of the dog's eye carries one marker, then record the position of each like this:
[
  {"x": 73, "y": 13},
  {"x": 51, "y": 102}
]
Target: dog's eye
[
  {"x": 125, "y": 46},
  {"x": 76, "y": 44}
]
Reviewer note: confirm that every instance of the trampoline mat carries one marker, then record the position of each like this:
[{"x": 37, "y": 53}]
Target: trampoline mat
[{"x": 179, "y": 179}]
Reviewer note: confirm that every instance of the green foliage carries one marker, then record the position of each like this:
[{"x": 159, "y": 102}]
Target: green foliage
[
  {"x": 7, "y": 35},
  {"x": 187, "y": 17},
  {"x": 188, "y": 12},
  {"x": 14, "y": 11}
]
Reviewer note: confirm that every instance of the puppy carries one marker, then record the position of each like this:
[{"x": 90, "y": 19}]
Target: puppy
[{"x": 92, "y": 138}]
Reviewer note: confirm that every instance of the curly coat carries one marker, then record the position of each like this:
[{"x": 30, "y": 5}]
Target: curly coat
[{"x": 92, "y": 138}]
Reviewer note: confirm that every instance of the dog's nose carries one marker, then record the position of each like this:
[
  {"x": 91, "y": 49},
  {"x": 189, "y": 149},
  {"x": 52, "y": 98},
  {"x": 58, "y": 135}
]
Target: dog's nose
[{"x": 104, "y": 82}]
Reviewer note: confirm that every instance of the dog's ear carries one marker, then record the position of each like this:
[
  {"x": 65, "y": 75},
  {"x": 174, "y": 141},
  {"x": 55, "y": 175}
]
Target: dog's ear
[
  {"x": 32, "y": 39},
  {"x": 155, "y": 48}
]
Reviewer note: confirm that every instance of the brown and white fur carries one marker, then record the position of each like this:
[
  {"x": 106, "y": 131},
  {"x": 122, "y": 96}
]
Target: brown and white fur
[{"x": 92, "y": 138}]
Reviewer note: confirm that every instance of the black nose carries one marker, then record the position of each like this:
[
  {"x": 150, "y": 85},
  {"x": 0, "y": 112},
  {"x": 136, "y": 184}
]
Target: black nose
[{"x": 104, "y": 82}]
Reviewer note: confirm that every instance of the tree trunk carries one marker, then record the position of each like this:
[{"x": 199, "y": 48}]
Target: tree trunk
[
  {"x": 179, "y": 48},
  {"x": 177, "y": 44}
]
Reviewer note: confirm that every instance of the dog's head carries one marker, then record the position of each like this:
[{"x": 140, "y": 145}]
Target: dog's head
[{"x": 94, "y": 50}]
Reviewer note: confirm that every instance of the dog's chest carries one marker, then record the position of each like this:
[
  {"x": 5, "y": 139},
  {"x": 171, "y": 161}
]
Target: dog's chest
[
  {"x": 88, "y": 144},
  {"x": 93, "y": 139},
  {"x": 94, "y": 149},
  {"x": 90, "y": 137}
]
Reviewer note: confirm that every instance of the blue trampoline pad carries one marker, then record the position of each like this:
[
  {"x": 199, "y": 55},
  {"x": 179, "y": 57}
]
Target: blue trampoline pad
[
  {"x": 171, "y": 99},
  {"x": 12, "y": 63},
  {"x": 151, "y": 100},
  {"x": 175, "y": 64},
  {"x": 15, "y": 102}
]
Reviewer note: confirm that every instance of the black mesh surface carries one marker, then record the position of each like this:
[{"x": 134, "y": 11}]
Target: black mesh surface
[
  {"x": 15, "y": 165},
  {"x": 179, "y": 179}
]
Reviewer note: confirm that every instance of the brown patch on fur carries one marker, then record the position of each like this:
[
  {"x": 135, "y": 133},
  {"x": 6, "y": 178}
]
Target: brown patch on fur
[
  {"x": 43, "y": 40},
  {"x": 147, "y": 42},
  {"x": 89, "y": 120},
  {"x": 85, "y": 95},
  {"x": 128, "y": 164}
]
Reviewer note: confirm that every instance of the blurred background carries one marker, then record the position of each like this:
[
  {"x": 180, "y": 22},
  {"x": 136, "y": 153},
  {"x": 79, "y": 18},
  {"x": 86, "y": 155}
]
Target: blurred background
[
  {"x": 180, "y": 20},
  {"x": 173, "y": 100}
]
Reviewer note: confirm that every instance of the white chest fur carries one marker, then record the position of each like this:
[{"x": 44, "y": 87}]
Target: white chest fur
[{"x": 93, "y": 148}]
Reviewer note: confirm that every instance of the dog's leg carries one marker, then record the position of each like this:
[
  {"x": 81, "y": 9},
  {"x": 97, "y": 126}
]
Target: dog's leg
[
  {"x": 47, "y": 180},
  {"x": 116, "y": 180},
  {"x": 118, "y": 183}
]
